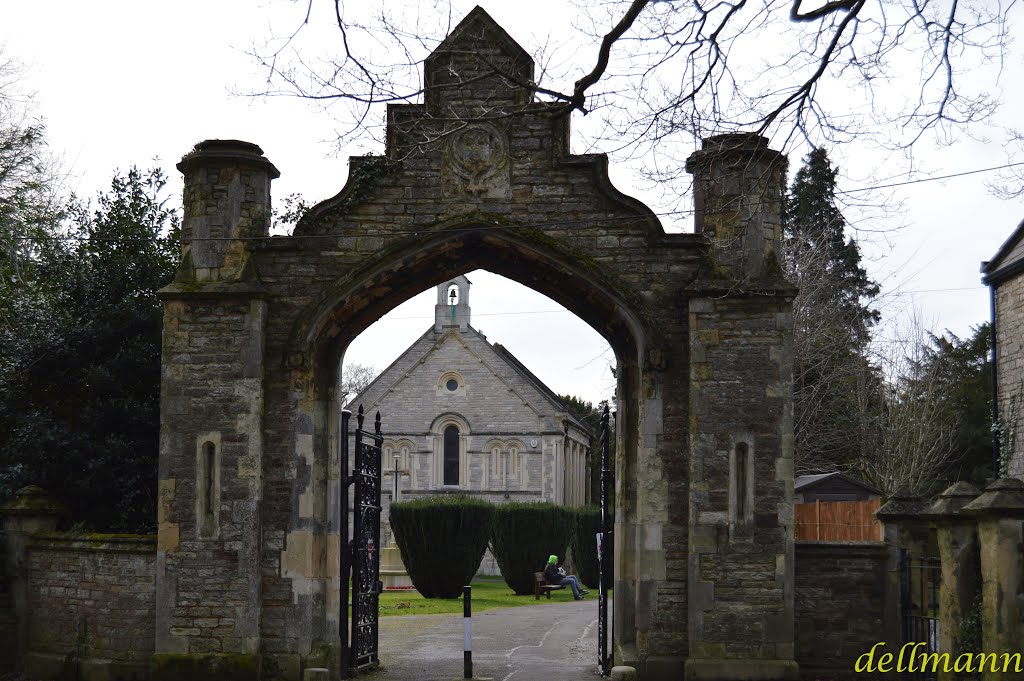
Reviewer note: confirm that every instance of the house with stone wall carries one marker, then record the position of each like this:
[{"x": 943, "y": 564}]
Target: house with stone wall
[{"x": 1004, "y": 274}]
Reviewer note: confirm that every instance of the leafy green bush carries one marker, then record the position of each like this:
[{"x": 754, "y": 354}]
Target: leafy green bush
[
  {"x": 442, "y": 540},
  {"x": 525, "y": 534},
  {"x": 584, "y": 546}
]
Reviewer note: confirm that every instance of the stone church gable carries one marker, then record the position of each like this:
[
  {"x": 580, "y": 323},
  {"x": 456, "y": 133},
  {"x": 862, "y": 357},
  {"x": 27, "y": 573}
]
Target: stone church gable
[{"x": 496, "y": 394}]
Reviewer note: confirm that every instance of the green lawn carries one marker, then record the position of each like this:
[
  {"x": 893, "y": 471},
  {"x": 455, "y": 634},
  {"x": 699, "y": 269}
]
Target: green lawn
[{"x": 488, "y": 593}]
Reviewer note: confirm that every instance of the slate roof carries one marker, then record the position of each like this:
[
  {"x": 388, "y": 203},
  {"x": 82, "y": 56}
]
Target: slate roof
[
  {"x": 803, "y": 483},
  {"x": 502, "y": 353},
  {"x": 998, "y": 269}
]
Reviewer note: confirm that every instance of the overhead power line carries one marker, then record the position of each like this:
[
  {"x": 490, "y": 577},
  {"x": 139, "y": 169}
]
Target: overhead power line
[{"x": 928, "y": 179}]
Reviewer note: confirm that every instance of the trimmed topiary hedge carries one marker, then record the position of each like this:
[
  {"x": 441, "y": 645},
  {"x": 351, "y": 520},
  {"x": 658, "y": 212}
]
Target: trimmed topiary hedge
[
  {"x": 584, "y": 546},
  {"x": 525, "y": 534},
  {"x": 442, "y": 540}
]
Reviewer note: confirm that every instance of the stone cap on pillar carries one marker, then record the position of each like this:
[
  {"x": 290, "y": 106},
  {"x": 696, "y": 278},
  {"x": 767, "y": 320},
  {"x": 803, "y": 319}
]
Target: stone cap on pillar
[
  {"x": 903, "y": 505},
  {"x": 32, "y": 501},
  {"x": 745, "y": 143},
  {"x": 1004, "y": 497},
  {"x": 227, "y": 152},
  {"x": 948, "y": 505}
]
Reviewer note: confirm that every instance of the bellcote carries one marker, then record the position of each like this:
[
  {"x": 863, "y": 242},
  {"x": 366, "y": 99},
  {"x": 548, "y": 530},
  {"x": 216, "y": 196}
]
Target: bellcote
[{"x": 452, "y": 309}]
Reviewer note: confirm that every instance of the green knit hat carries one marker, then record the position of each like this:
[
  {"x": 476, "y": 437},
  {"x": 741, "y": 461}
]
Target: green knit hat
[{"x": 552, "y": 559}]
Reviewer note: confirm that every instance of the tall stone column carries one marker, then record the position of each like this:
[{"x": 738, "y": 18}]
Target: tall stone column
[
  {"x": 211, "y": 422},
  {"x": 30, "y": 511},
  {"x": 741, "y": 547},
  {"x": 961, "y": 570},
  {"x": 1000, "y": 515},
  {"x": 906, "y": 522}
]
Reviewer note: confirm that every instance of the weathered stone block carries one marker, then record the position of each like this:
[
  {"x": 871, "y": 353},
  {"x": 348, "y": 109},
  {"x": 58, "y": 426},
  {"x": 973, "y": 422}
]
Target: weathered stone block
[{"x": 204, "y": 667}]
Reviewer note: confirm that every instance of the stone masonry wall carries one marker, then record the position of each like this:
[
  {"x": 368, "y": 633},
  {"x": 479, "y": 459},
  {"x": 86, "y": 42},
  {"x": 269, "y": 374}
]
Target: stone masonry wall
[
  {"x": 1010, "y": 364},
  {"x": 840, "y": 601},
  {"x": 210, "y": 398},
  {"x": 497, "y": 405},
  {"x": 740, "y": 552},
  {"x": 91, "y": 597}
]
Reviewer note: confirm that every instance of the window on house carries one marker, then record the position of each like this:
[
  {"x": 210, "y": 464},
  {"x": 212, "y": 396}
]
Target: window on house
[{"x": 451, "y": 455}]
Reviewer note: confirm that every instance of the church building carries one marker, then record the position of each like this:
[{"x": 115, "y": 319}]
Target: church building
[{"x": 461, "y": 414}]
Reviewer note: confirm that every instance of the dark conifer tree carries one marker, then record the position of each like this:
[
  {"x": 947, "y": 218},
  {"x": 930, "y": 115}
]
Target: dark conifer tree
[{"x": 832, "y": 322}]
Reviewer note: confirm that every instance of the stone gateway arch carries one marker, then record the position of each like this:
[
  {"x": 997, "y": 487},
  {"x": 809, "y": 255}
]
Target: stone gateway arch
[{"x": 478, "y": 176}]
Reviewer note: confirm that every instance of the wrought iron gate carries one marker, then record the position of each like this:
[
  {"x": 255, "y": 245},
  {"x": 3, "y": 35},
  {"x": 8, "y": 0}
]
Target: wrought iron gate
[
  {"x": 606, "y": 551},
  {"x": 360, "y": 557},
  {"x": 919, "y": 605}
]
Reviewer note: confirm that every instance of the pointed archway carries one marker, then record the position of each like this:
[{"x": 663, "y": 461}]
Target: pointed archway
[{"x": 479, "y": 176}]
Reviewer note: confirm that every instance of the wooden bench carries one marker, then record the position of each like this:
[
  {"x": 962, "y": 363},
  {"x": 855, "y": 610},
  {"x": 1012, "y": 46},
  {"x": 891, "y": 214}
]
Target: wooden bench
[{"x": 540, "y": 586}]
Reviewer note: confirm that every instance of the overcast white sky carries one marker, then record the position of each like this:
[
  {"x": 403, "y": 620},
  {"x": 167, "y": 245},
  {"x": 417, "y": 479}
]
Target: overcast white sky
[{"x": 127, "y": 82}]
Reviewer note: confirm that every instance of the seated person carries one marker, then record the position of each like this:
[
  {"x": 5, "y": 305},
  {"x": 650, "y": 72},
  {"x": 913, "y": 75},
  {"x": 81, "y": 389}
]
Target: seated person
[{"x": 556, "y": 575}]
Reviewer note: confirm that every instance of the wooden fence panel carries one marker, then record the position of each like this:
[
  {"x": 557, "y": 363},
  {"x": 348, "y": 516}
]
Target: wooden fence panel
[{"x": 838, "y": 521}]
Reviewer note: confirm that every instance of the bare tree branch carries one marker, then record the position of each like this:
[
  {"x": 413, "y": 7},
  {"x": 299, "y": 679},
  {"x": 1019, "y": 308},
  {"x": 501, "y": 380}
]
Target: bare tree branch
[
  {"x": 674, "y": 71},
  {"x": 578, "y": 98}
]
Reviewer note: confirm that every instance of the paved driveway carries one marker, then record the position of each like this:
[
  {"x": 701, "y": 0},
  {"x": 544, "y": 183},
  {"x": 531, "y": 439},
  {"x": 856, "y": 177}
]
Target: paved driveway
[{"x": 554, "y": 641}]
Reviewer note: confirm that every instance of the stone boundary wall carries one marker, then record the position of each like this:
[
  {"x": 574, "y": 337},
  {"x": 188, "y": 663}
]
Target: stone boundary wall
[
  {"x": 8, "y": 618},
  {"x": 840, "y": 605},
  {"x": 91, "y": 601}
]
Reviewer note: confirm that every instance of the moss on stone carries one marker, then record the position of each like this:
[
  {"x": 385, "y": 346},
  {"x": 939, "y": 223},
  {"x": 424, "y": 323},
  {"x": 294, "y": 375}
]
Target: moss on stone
[
  {"x": 32, "y": 500},
  {"x": 204, "y": 667},
  {"x": 365, "y": 176}
]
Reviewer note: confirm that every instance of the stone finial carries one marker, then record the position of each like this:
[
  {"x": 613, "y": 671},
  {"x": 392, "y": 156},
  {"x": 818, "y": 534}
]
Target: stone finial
[
  {"x": 953, "y": 499},
  {"x": 1004, "y": 497},
  {"x": 903, "y": 505},
  {"x": 738, "y": 194},
  {"x": 226, "y": 205},
  {"x": 226, "y": 152},
  {"x": 32, "y": 501}
]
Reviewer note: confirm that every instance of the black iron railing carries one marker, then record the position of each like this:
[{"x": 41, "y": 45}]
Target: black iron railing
[{"x": 920, "y": 578}]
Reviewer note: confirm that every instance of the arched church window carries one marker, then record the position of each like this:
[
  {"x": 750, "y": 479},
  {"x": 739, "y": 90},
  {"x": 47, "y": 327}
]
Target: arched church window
[{"x": 451, "y": 455}]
